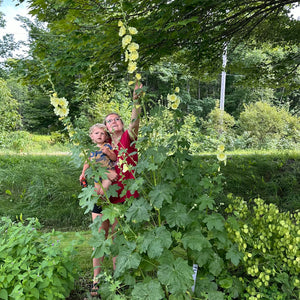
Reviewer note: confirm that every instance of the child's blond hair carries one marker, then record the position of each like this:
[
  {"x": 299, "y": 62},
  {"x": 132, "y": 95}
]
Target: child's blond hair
[{"x": 100, "y": 126}]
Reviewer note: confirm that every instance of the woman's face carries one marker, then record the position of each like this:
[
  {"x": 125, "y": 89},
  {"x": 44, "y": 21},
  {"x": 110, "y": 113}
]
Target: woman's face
[{"x": 114, "y": 123}]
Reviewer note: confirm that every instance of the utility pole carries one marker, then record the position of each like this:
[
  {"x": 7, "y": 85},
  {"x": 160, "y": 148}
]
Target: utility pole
[{"x": 223, "y": 78}]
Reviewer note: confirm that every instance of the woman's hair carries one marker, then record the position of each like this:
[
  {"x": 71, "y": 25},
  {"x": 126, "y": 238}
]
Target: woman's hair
[{"x": 100, "y": 126}]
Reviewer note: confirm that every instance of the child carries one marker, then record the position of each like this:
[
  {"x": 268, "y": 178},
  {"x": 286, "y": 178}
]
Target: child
[{"x": 105, "y": 156}]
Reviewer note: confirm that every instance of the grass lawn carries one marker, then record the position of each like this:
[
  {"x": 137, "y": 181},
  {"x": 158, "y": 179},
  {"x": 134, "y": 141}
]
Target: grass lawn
[{"x": 83, "y": 259}]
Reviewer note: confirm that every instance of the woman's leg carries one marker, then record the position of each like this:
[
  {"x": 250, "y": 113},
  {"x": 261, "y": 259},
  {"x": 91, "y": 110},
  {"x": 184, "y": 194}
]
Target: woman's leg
[
  {"x": 112, "y": 232},
  {"x": 97, "y": 261}
]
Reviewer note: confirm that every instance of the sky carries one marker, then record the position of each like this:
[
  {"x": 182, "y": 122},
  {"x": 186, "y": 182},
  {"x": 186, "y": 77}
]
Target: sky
[{"x": 12, "y": 26}]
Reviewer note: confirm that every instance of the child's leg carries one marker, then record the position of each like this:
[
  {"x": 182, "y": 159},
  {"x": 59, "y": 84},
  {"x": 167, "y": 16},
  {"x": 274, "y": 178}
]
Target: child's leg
[{"x": 106, "y": 182}]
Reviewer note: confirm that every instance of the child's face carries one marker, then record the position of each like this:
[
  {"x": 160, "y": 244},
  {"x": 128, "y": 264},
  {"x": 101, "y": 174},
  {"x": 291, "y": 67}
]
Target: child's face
[{"x": 98, "y": 135}]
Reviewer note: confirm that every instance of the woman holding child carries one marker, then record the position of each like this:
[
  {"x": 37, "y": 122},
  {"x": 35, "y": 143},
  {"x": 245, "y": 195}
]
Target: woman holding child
[{"x": 123, "y": 146}]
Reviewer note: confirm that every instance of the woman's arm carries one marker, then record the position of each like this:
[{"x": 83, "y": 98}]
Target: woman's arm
[{"x": 135, "y": 115}]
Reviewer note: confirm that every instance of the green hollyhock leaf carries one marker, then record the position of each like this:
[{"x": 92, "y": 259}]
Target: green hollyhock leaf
[
  {"x": 214, "y": 221},
  {"x": 205, "y": 201},
  {"x": 216, "y": 265},
  {"x": 236, "y": 289},
  {"x": 111, "y": 212},
  {"x": 234, "y": 255},
  {"x": 178, "y": 276},
  {"x": 176, "y": 215},
  {"x": 205, "y": 284},
  {"x": 100, "y": 244},
  {"x": 166, "y": 258},
  {"x": 195, "y": 240},
  {"x": 215, "y": 295},
  {"x": 161, "y": 193},
  {"x": 203, "y": 257},
  {"x": 139, "y": 211},
  {"x": 127, "y": 258},
  {"x": 226, "y": 283},
  {"x": 170, "y": 172},
  {"x": 155, "y": 241},
  {"x": 3, "y": 294},
  {"x": 87, "y": 198},
  {"x": 148, "y": 291},
  {"x": 136, "y": 184}
]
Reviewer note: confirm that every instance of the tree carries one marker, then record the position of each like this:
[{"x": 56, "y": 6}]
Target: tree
[
  {"x": 7, "y": 44},
  {"x": 10, "y": 119}
]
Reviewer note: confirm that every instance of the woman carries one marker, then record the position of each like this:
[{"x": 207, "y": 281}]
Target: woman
[{"x": 123, "y": 144}]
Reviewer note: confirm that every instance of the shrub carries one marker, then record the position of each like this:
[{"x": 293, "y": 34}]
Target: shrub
[
  {"x": 31, "y": 265},
  {"x": 16, "y": 140},
  {"x": 10, "y": 119},
  {"x": 269, "y": 241},
  {"x": 265, "y": 126},
  {"x": 218, "y": 128}
]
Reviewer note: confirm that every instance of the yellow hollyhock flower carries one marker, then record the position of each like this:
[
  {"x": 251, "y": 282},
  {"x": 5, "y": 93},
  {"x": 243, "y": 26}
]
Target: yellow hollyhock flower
[
  {"x": 131, "y": 82},
  {"x": 221, "y": 148},
  {"x": 171, "y": 97},
  {"x": 122, "y": 31},
  {"x": 64, "y": 111},
  {"x": 138, "y": 76},
  {"x": 132, "y": 30},
  {"x": 221, "y": 156},
  {"x": 174, "y": 105},
  {"x": 134, "y": 55},
  {"x": 54, "y": 101},
  {"x": 63, "y": 102},
  {"x": 120, "y": 23},
  {"x": 125, "y": 168},
  {"x": 177, "y": 89},
  {"x": 61, "y": 111},
  {"x": 126, "y": 40},
  {"x": 133, "y": 47},
  {"x": 131, "y": 66}
]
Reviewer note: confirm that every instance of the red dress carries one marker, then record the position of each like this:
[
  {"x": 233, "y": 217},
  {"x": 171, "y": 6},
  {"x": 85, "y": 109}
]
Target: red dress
[{"x": 127, "y": 159}]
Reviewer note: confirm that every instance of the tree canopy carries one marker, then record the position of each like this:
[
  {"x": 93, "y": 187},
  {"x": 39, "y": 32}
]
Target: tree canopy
[{"x": 81, "y": 36}]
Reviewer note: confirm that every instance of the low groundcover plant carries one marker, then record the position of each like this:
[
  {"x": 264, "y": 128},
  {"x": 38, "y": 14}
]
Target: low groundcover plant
[{"x": 32, "y": 264}]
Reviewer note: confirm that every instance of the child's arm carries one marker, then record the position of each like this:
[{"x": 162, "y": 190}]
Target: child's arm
[
  {"x": 109, "y": 152},
  {"x": 85, "y": 167}
]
